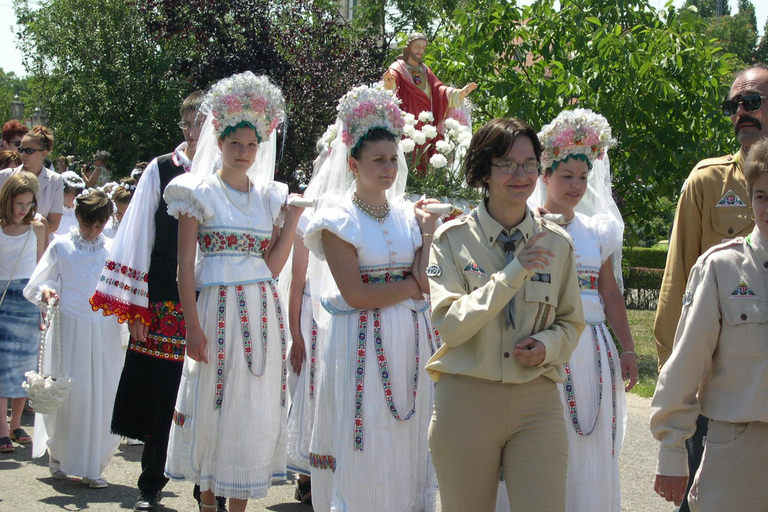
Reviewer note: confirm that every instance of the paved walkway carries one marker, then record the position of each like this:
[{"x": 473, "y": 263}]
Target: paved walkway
[{"x": 25, "y": 484}]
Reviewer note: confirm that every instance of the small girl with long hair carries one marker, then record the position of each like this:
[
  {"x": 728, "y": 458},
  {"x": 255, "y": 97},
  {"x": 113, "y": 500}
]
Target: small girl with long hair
[
  {"x": 121, "y": 197},
  {"x": 22, "y": 242},
  {"x": 77, "y": 436}
]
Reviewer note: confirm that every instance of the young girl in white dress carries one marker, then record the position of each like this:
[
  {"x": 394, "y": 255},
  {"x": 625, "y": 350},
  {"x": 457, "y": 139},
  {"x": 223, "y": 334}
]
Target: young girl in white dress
[
  {"x": 229, "y": 424},
  {"x": 77, "y": 436},
  {"x": 73, "y": 187},
  {"x": 369, "y": 449},
  {"x": 575, "y": 189}
]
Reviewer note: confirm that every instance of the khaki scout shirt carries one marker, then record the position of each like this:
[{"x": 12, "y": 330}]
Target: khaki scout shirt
[
  {"x": 720, "y": 357},
  {"x": 713, "y": 207},
  {"x": 470, "y": 284}
]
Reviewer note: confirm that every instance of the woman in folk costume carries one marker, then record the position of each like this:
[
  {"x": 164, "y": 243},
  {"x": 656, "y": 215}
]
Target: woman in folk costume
[
  {"x": 306, "y": 335},
  {"x": 576, "y": 189},
  {"x": 369, "y": 446},
  {"x": 228, "y": 431},
  {"x": 77, "y": 436}
]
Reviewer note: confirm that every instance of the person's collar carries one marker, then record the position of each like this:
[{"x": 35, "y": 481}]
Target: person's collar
[
  {"x": 492, "y": 228},
  {"x": 759, "y": 246},
  {"x": 180, "y": 157}
]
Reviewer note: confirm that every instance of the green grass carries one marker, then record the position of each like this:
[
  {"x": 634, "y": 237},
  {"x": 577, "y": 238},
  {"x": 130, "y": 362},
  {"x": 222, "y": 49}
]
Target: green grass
[{"x": 641, "y": 325}]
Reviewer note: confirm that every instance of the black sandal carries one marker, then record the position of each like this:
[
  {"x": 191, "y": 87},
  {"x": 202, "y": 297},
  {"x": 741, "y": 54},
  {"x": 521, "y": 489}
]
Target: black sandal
[
  {"x": 6, "y": 446},
  {"x": 303, "y": 492}
]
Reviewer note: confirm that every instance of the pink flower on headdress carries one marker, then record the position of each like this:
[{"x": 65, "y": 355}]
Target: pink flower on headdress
[
  {"x": 564, "y": 138},
  {"x": 233, "y": 103},
  {"x": 346, "y": 137},
  {"x": 259, "y": 105}
]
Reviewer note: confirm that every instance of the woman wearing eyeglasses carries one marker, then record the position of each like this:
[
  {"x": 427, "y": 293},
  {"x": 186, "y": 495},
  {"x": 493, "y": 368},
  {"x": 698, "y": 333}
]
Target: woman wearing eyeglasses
[
  {"x": 505, "y": 299},
  {"x": 35, "y": 146}
]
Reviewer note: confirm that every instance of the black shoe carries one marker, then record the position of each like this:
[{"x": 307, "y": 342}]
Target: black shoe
[{"x": 147, "y": 502}]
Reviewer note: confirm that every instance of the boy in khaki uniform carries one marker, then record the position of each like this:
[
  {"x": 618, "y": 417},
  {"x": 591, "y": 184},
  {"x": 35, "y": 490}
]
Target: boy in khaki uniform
[{"x": 717, "y": 368}]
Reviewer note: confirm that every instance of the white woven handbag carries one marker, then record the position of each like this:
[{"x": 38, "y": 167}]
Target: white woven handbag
[{"x": 47, "y": 392}]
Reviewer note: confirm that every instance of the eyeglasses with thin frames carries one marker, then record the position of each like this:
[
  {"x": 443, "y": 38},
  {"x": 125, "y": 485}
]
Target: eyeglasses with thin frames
[
  {"x": 25, "y": 206},
  {"x": 750, "y": 101},
  {"x": 512, "y": 168}
]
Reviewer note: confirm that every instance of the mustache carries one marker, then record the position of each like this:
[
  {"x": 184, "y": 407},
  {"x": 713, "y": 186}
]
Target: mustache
[{"x": 747, "y": 119}]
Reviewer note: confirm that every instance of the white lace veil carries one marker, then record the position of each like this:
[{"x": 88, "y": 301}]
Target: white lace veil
[
  {"x": 598, "y": 199},
  {"x": 208, "y": 156}
]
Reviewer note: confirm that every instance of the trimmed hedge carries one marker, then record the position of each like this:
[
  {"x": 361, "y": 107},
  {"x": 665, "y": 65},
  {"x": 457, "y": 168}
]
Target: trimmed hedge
[
  {"x": 643, "y": 278},
  {"x": 645, "y": 257}
]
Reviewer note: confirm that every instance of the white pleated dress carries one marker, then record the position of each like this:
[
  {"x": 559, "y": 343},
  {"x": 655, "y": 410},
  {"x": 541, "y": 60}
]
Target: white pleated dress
[
  {"x": 593, "y": 397},
  {"x": 78, "y": 433},
  {"x": 369, "y": 449},
  {"x": 228, "y": 433}
]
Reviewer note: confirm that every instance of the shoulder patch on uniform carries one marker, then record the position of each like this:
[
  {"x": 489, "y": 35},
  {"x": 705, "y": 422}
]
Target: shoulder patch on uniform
[
  {"x": 551, "y": 226},
  {"x": 474, "y": 268},
  {"x": 434, "y": 271},
  {"x": 743, "y": 291},
  {"x": 730, "y": 200}
]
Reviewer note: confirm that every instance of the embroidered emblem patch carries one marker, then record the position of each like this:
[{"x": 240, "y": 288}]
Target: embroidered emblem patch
[
  {"x": 434, "y": 271},
  {"x": 542, "y": 278},
  {"x": 687, "y": 299},
  {"x": 742, "y": 291},
  {"x": 473, "y": 268},
  {"x": 730, "y": 200}
]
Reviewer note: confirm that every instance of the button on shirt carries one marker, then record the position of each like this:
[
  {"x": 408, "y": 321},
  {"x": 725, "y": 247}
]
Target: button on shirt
[
  {"x": 471, "y": 284},
  {"x": 718, "y": 364}
]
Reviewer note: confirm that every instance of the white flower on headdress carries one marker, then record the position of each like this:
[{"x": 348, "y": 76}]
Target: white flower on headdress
[
  {"x": 426, "y": 117},
  {"x": 438, "y": 161},
  {"x": 366, "y": 108},
  {"x": 575, "y": 132},
  {"x": 444, "y": 146},
  {"x": 407, "y": 145},
  {"x": 419, "y": 137},
  {"x": 409, "y": 130},
  {"x": 409, "y": 119},
  {"x": 325, "y": 140},
  {"x": 72, "y": 179},
  {"x": 248, "y": 98},
  {"x": 429, "y": 131}
]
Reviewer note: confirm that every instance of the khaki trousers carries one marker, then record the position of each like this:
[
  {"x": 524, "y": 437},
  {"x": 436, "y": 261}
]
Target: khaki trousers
[
  {"x": 479, "y": 426},
  {"x": 733, "y": 475}
]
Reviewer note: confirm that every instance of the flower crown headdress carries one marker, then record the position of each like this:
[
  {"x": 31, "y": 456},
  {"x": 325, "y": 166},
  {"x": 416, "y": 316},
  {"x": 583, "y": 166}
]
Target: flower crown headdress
[
  {"x": 367, "y": 108},
  {"x": 575, "y": 132},
  {"x": 246, "y": 100},
  {"x": 72, "y": 179}
]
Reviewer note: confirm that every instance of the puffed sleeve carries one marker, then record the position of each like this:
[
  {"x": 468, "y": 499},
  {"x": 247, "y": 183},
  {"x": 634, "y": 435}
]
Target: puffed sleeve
[
  {"x": 609, "y": 233},
  {"x": 45, "y": 276},
  {"x": 277, "y": 193},
  {"x": 338, "y": 222},
  {"x": 189, "y": 195}
]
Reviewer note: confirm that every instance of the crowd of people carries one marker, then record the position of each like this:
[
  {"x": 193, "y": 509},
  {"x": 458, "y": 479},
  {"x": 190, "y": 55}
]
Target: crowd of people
[{"x": 493, "y": 378}]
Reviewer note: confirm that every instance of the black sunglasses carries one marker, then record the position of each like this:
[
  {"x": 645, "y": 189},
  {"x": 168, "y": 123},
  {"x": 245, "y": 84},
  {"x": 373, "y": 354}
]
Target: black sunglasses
[
  {"x": 750, "y": 101},
  {"x": 29, "y": 151}
]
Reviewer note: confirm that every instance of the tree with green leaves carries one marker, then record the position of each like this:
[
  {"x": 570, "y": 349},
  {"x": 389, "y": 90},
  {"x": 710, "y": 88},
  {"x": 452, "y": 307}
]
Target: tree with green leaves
[
  {"x": 653, "y": 74},
  {"x": 305, "y": 46},
  {"x": 101, "y": 78},
  {"x": 737, "y": 34},
  {"x": 10, "y": 86}
]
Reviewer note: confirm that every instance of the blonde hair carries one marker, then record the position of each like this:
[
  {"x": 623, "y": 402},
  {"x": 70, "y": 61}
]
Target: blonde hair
[
  {"x": 18, "y": 183},
  {"x": 42, "y": 135},
  {"x": 757, "y": 164}
]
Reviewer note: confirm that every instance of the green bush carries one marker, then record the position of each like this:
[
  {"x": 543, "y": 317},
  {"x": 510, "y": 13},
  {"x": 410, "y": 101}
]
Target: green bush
[
  {"x": 645, "y": 257},
  {"x": 643, "y": 278}
]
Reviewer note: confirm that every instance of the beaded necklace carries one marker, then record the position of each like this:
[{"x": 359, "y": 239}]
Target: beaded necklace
[{"x": 377, "y": 213}]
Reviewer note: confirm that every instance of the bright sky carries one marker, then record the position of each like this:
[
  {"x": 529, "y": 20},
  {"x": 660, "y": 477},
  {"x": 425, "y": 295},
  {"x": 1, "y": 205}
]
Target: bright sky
[{"x": 10, "y": 57}]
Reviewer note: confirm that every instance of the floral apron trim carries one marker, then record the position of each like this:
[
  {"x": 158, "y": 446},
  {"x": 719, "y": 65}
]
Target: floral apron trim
[
  {"x": 245, "y": 330},
  {"x": 384, "y": 375},
  {"x": 312, "y": 359},
  {"x": 322, "y": 461},
  {"x": 166, "y": 335},
  {"x": 570, "y": 392}
]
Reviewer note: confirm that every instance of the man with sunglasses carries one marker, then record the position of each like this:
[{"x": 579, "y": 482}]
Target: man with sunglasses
[
  {"x": 13, "y": 132},
  {"x": 713, "y": 207}
]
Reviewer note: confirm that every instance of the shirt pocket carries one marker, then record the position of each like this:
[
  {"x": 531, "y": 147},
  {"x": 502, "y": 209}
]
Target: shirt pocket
[
  {"x": 729, "y": 222},
  {"x": 539, "y": 291},
  {"x": 745, "y": 327}
]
